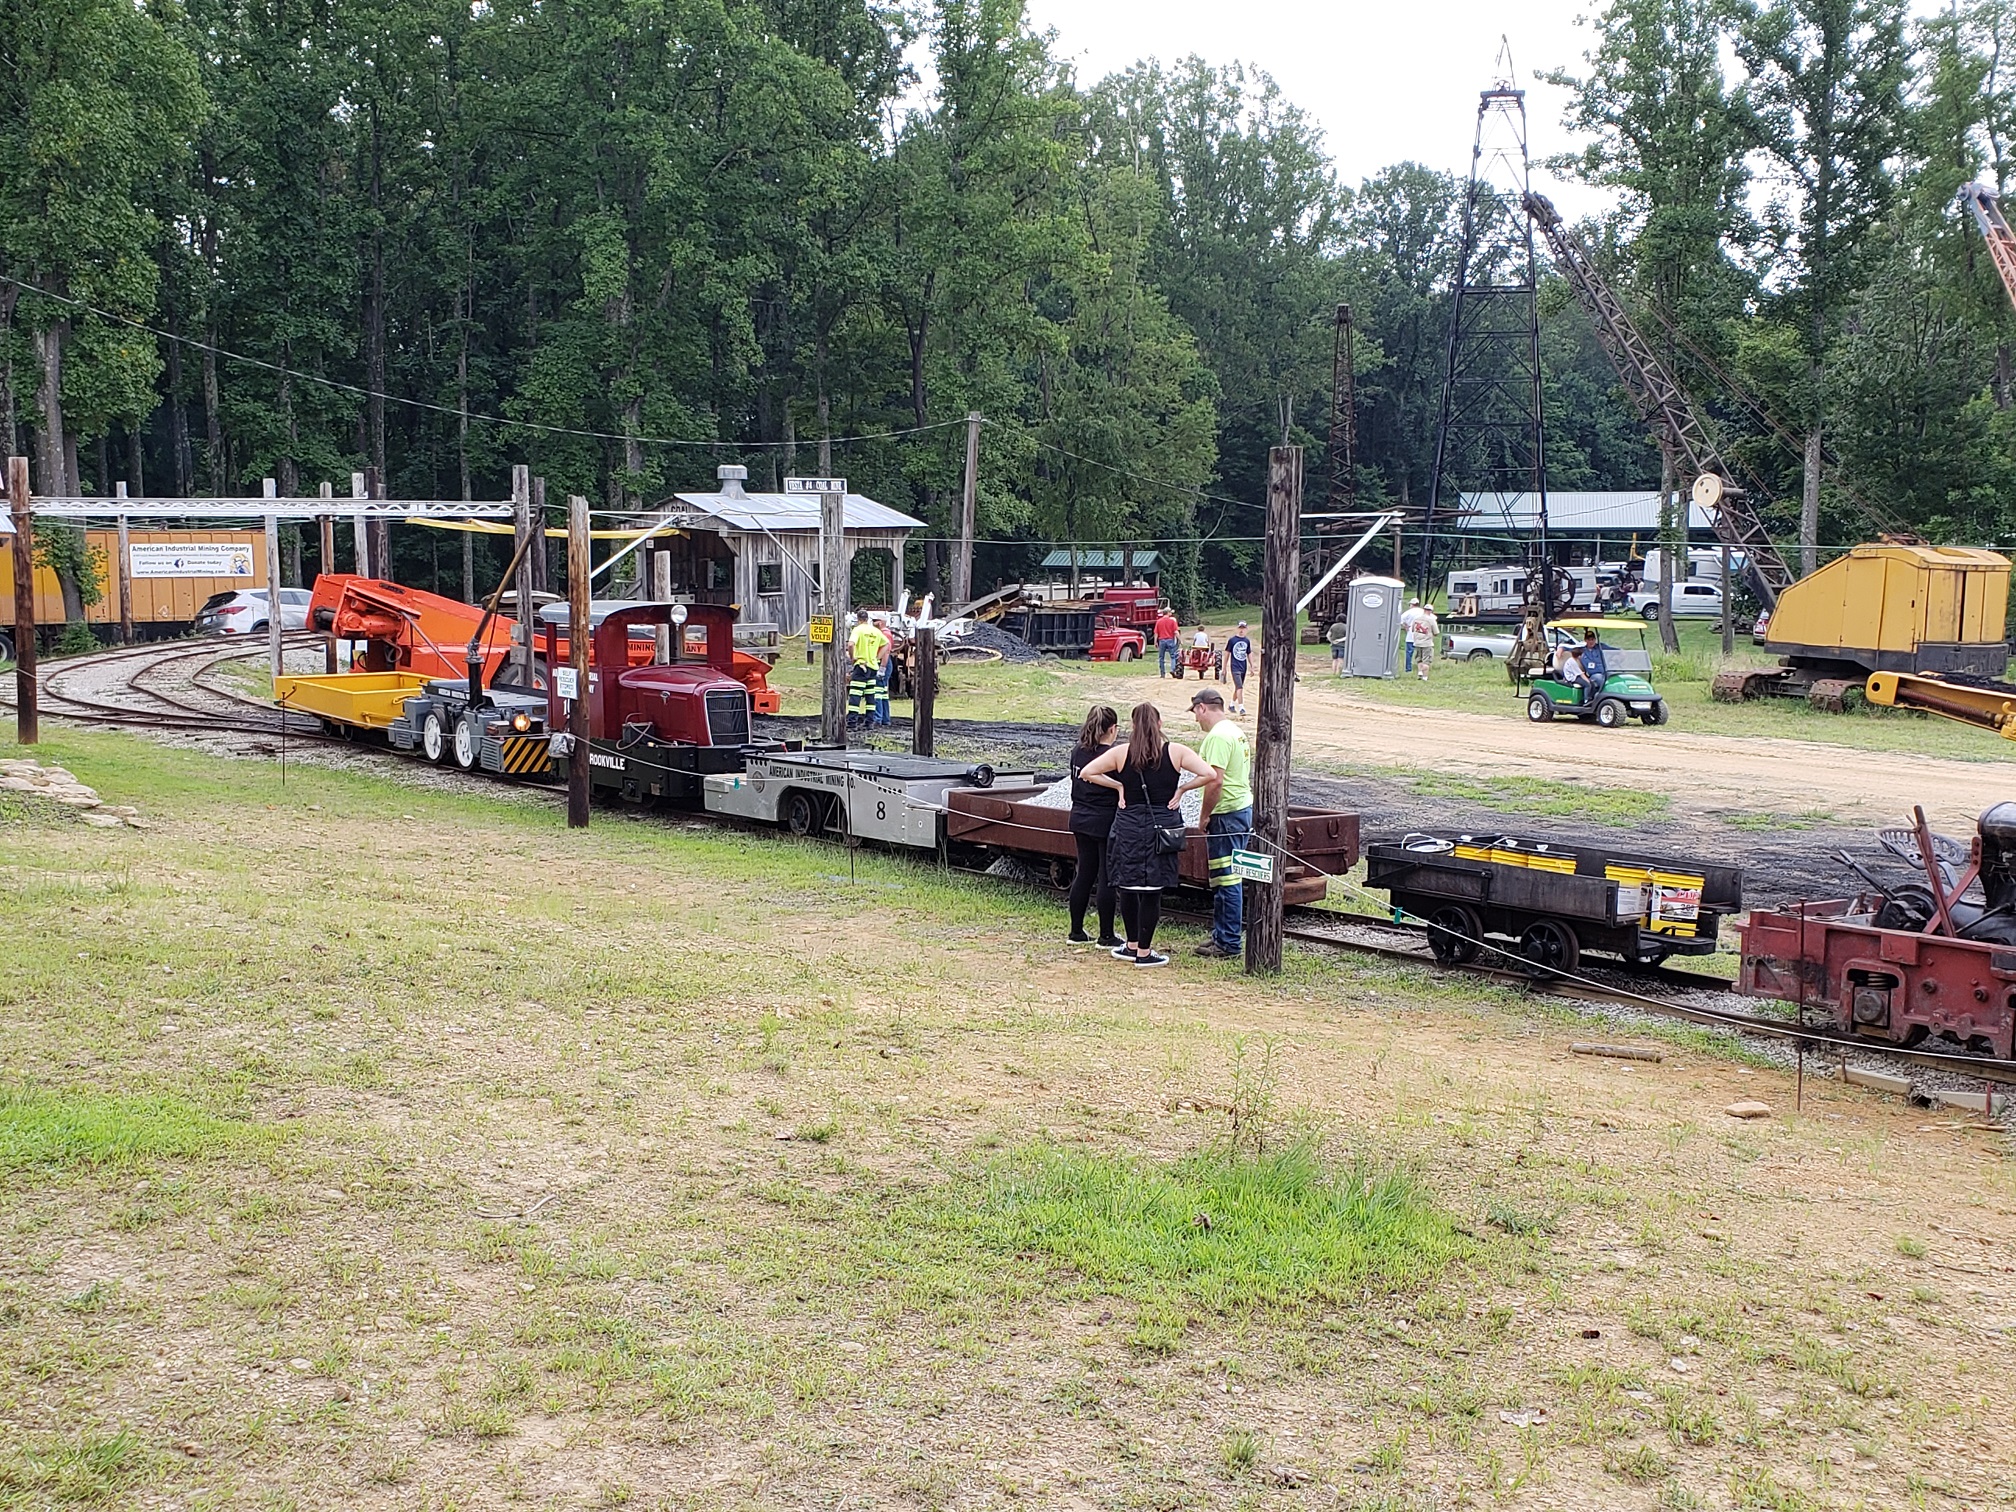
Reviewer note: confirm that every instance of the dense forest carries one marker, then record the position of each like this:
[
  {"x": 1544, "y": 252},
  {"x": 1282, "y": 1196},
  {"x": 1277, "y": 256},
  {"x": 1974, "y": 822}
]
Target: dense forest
[{"x": 628, "y": 240}]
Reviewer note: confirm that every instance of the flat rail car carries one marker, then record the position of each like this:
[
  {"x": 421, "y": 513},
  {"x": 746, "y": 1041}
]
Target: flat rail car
[
  {"x": 1322, "y": 842},
  {"x": 1554, "y": 901}
]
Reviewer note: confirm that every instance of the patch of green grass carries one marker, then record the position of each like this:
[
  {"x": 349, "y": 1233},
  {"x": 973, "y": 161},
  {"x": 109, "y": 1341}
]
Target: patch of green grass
[
  {"x": 1620, "y": 808},
  {"x": 1910, "y": 1248},
  {"x": 84, "y": 1471},
  {"x": 1240, "y": 1450},
  {"x": 41, "y": 1128},
  {"x": 36, "y": 813},
  {"x": 1764, "y": 823},
  {"x": 1281, "y": 1228}
]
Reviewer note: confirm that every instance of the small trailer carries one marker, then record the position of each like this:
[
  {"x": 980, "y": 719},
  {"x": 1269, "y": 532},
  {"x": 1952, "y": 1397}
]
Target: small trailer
[
  {"x": 1322, "y": 842},
  {"x": 854, "y": 794},
  {"x": 1554, "y": 900}
]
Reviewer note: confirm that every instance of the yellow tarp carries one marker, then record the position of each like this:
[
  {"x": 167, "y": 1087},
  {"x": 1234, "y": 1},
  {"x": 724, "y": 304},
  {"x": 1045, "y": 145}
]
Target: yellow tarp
[{"x": 493, "y": 527}]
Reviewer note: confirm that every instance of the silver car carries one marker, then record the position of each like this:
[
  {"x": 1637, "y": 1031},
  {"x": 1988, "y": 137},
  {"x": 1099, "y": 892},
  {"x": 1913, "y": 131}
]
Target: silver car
[{"x": 242, "y": 611}]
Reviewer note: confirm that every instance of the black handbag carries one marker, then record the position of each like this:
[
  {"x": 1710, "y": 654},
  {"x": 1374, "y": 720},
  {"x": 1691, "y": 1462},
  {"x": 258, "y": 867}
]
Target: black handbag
[{"x": 1170, "y": 832}]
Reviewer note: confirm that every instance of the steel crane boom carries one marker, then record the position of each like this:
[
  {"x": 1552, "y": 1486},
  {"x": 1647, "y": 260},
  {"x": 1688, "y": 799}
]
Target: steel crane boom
[
  {"x": 1664, "y": 405},
  {"x": 1986, "y": 207}
]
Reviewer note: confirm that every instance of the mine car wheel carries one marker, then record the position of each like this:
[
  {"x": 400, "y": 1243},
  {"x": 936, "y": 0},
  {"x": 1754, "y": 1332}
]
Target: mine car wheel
[
  {"x": 801, "y": 815},
  {"x": 1539, "y": 708},
  {"x": 1453, "y": 933},
  {"x": 468, "y": 743},
  {"x": 1610, "y": 714},
  {"x": 434, "y": 737},
  {"x": 1550, "y": 948}
]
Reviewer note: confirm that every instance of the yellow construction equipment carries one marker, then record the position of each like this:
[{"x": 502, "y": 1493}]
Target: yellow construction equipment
[
  {"x": 1984, "y": 708},
  {"x": 1890, "y": 607}
]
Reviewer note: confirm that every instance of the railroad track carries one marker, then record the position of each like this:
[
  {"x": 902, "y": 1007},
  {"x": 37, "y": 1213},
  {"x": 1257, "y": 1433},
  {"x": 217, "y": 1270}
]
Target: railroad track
[
  {"x": 167, "y": 685},
  {"x": 173, "y": 686}
]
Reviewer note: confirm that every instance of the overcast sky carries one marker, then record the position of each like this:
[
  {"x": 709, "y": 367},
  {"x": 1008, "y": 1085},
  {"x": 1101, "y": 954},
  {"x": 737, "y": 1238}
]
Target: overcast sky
[{"x": 1386, "y": 82}]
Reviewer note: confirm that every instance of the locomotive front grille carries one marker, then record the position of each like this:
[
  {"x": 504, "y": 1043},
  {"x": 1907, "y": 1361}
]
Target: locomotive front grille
[{"x": 727, "y": 718}]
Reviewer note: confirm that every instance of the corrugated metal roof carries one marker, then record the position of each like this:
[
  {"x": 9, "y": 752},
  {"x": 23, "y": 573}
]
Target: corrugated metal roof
[
  {"x": 782, "y": 512},
  {"x": 1570, "y": 510},
  {"x": 1099, "y": 561}
]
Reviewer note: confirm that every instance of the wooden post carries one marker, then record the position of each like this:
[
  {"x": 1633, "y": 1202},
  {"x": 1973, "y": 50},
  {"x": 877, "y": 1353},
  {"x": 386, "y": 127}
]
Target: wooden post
[
  {"x": 1728, "y": 610},
  {"x": 661, "y": 590},
  {"x": 1276, "y": 725},
  {"x": 578, "y": 633},
  {"x": 542, "y": 563},
  {"x": 924, "y": 692},
  {"x": 521, "y": 534},
  {"x": 360, "y": 540},
  {"x": 27, "y": 717},
  {"x": 969, "y": 499},
  {"x": 125, "y": 576},
  {"x": 1396, "y": 552},
  {"x": 325, "y": 526},
  {"x": 275, "y": 630},
  {"x": 835, "y": 589},
  {"x": 381, "y": 528}
]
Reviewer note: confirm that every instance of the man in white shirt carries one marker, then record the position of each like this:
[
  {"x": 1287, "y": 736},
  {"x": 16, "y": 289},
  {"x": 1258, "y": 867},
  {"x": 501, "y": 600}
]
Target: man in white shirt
[{"x": 1415, "y": 623}]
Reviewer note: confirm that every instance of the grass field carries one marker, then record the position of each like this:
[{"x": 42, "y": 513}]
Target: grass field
[{"x": 365, "y": 1144}]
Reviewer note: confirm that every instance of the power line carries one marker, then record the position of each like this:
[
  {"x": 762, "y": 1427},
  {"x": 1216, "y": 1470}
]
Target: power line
[{"x": 446, "y": 409}]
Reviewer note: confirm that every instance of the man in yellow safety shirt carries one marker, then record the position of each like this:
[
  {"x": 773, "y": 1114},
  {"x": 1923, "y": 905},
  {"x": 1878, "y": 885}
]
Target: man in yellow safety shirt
[
  {"x": 1227, "y": 818},
  {"x": 867, "y": 649}
]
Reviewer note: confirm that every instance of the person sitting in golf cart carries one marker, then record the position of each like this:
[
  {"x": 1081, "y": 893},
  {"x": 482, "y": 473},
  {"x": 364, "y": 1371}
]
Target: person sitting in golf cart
[{"x": 1592, "y": 660}]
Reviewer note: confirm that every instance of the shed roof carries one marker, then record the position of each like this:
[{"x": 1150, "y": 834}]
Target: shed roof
[
  {"x": 1100, "y": 560},
  {"x": 1572, "y": 510},
  {"x": 793, "y": 512}
]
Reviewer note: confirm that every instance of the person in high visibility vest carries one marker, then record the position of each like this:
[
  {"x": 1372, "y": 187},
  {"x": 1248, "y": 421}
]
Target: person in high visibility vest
[{"x": 867, "y": 649}]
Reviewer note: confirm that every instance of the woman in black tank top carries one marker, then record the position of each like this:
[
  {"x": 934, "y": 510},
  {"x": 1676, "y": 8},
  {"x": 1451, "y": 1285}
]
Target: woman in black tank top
[{"x": 1149, "y": 773}]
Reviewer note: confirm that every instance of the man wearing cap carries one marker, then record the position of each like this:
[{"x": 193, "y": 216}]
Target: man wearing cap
[
  {"x": 1238, "y": 660},
  {"x": 1227, "y": 818},
  {"x": 1414, "y": 623}
]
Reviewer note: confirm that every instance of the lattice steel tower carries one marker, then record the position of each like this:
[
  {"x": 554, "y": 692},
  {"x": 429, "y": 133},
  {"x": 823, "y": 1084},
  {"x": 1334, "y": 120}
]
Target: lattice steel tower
[{"x": 1488, "y": 431}]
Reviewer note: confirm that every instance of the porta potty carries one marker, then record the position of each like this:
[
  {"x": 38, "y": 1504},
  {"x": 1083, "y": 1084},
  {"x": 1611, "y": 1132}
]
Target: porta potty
[{"x": 1372, "y": 626}]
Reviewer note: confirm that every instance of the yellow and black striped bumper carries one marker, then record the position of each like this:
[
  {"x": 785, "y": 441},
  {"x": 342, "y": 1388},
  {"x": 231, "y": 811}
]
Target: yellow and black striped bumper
[{"x": 524, "y": 755}]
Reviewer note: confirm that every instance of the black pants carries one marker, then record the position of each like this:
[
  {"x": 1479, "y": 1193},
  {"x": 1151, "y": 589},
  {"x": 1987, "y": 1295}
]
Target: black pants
[
  {"x": 1140, "y": 911},
  {"x": 1088, "y": 879}
]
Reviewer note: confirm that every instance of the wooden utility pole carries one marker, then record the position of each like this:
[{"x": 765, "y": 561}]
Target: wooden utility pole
[
  {"x": 969, "y": 501},
  {"x": 578, "y": 633},
  {"x": 1728, "y": 607},
  {"x": 27, "y": 720},
  {"x": 325, "y": 530},
  {"x": 360, "y": 540},
  {"x": 924, "y": 692},
  {"x": 1275, "y": 727},
  {"x": 542, "y": 563},
  {"x": 125, "y": 576},
  {"x": 381, "y": 528},
  {"x": 835, "y": 589},
  {"x": 661, "y": 591},
  {"x": 275, "y": 613},
  {"x": 522, "y": 528}
]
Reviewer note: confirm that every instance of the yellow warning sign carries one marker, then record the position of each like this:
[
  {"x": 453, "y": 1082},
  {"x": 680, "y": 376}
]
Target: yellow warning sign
[{"x": 822, "y": 630}]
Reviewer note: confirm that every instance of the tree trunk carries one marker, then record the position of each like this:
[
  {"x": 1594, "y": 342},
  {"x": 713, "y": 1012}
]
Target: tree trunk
[
  {"x": 181, "y": 462},
  {"x": 10, "y": 432},
  {"x": 1809, "y": 505},
  {"x": 49, "y": 404},
  {"x": 374, "y": 310},
  {"x": 212, "y": 422},
  {"x": 136, "y": 480}
]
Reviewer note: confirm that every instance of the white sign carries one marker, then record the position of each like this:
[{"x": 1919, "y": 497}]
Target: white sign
[
  {"x": 815, "y": 485},
  {"x": 1254, "y": 866},
  {"x": 565, "y": 683},
  {"x": 190, "y": 559}
]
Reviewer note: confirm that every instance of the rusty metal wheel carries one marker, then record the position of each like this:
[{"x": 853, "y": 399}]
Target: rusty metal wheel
[{"x": 1834, "y": 695}]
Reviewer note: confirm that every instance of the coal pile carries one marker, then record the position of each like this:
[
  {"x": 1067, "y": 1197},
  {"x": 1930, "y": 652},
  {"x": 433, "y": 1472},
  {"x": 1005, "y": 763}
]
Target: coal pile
[{"x": 978, "y": 633}]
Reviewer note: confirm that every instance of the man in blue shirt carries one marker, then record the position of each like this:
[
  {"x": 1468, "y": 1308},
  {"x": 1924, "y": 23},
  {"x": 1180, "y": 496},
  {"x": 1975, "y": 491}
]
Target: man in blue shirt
[{"x": 1238, "y": 660}]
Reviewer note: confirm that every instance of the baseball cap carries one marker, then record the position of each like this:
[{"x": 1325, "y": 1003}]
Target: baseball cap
[
  {"x": 1242, "y": 624},
  {"x": 1207, "y": 696}
]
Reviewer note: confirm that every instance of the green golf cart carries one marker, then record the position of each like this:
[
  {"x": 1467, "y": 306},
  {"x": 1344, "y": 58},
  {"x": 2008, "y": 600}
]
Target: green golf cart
[{"x": 1622, "y": 693}]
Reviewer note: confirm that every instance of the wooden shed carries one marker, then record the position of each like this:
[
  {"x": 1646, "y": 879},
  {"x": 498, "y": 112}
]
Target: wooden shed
[{"x": 761, "y": 550}]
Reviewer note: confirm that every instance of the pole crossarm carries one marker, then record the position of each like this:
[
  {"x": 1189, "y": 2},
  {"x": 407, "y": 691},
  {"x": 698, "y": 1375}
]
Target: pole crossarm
[
  {"x": 1664, "y": 405},
  {"x": 257, "y": 506}
]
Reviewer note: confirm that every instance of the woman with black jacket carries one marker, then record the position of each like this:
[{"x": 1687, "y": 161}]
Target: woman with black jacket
[{"x": 1092, "y": 811}]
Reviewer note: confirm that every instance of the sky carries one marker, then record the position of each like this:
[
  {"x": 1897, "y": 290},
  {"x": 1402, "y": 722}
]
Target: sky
[{"x": 1387, "y": 82}]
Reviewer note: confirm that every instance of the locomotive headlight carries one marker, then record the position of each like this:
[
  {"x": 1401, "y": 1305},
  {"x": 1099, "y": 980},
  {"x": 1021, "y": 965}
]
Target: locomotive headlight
[
  {"x": 521, "y": 722},
  {"x": 678, "y": 614}
]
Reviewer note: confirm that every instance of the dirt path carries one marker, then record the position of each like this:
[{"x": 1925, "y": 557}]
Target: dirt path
[{"x": 1701, "y": 773}]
